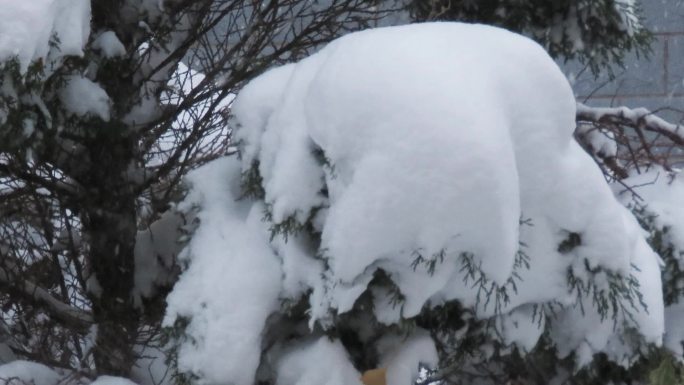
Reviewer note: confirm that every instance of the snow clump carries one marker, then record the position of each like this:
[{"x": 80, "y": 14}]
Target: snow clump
[
  {"x": 28, "y": 29},
  {"x": 81, "y": 96},
  {"x": 437, "y": 155}
]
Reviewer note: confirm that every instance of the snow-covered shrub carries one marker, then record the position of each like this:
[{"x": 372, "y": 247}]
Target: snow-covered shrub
[{"x": 415, "y": 196}]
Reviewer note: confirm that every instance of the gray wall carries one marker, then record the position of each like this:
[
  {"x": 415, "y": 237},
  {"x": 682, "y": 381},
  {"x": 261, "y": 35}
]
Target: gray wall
[{"x": 654, "y": 82}]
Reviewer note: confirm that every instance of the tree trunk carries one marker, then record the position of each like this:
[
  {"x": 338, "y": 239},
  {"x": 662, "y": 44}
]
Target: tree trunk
[{"x": 110, "y": 224}]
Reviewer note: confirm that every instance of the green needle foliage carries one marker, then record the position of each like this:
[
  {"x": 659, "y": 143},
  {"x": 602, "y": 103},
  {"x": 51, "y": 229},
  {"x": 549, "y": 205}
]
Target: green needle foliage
[{"x": 596, "y": 32}]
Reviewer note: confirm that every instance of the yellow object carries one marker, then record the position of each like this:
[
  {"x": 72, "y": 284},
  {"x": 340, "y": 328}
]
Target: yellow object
[{"x": 374, "y": 377}]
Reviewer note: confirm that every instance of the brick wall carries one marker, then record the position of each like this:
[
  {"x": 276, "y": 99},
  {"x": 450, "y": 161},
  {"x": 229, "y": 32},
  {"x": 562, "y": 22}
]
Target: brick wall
[{"x": 655, "y": 82}]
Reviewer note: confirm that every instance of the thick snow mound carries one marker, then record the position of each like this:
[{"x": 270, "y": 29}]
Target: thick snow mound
[
  {"x": 322, "y": 362},
  {"x": 28, "y": 27},
  {"x": 430, "y": 141},
  {"x": 436, "y": 156},
  {"x": 232, "y": 284}
]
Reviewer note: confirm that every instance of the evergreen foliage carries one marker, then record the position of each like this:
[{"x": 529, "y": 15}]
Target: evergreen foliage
[
  {"x": 77, "y": 191},
  {"x": 94, "y": 144},
  {"x": 596, "y": 32}
]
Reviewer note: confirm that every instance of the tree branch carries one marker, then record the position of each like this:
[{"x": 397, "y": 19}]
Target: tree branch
[
  {"x": 636, "y": 118},
  {"x": 28, "y": 290}
]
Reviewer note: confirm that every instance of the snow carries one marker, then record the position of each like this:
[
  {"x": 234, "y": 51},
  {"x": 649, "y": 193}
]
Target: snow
[
  {"x": 522, "y": 328},
  {"x": 111, "y": 380},
  {"x": 627, "y": 11},
  {"x": 232, "y": 283},
  {"x": 445, "y": 141},
  {"x": 648, "y": 275},
  {"x": 28, "y": 27},
  {"x": 156, "y": 249},
  {"x": 255, "y": 105},
  {"x": 152, "y": 368},
  {"x": 322, "y": 362},
  {"x": 661, "y": 195},
  {"x": 602, "y": 142},
  {"x": 300, "y": 270},
  {"x": 17, "y": 372},
  {"x": 109, "y": 44},
  {"x": 81, "y": 96},
  {"x": 635, "y": 116},
  {"x": 405, "y": 177},
  {"x": 586, "y": 332},
  {"x": 403, "y": 356},
  {"x": 21, "y": 372}
]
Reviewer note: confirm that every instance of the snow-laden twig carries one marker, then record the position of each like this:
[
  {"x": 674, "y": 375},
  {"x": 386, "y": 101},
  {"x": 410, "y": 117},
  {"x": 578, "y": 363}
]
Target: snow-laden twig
[
  {"x": 622, "y": 139},
  {"x": 633, "y": 117}
]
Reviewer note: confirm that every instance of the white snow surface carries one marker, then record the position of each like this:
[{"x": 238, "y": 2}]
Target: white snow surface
[
  {"x": 28, "y": 372},
  {"x": 81, "y": 96},
  {"x": 156, "y": 249},
  {"x": 322, "y": 362},
  {"x": 152, "y": 368},
  {"x": 27, "y": 28},
  {"x": 634, "y": 115},
  {"x": 232, "y": 284},
  {"x": 402, "y": 356},
  {"x": 663, "y": 196},
  {"x": 111, "y": 380},
  {"x": 661, "y": 193},
  {"x": 433, "y": 139},
  {"x": 109, "y": 44}
]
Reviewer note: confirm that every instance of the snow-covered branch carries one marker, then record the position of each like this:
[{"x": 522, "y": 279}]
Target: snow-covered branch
[
  {"x": 639, "y": 118},
  {"x": 623, "y": 138}
]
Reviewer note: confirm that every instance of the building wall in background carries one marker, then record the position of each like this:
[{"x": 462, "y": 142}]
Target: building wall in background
[{"x": 655, "y": 82}]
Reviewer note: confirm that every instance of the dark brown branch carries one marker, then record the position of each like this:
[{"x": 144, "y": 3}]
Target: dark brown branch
[
  {"x": 69, "y": 315},
  {"x": 638, "y": 118}
]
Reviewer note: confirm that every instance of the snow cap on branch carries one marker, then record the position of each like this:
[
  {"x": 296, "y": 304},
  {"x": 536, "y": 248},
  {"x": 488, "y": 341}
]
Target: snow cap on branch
[{"x": 29, "y": 29}]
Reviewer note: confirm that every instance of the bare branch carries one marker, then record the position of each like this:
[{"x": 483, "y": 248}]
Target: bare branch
[{"x": 69, "y": 315}]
